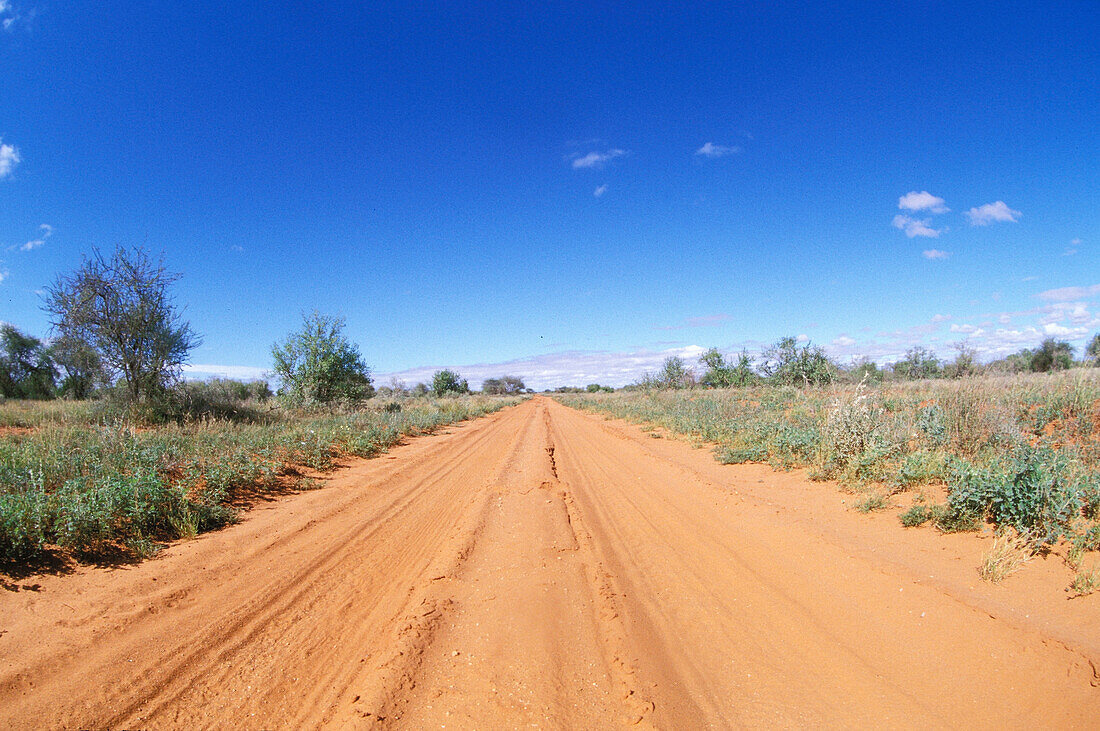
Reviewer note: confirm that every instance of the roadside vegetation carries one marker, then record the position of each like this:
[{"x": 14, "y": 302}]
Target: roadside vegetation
[
  {"x": 1014, "y": 445},
  {"x": 105, "y": 451},
  {"x": 81, "y": 479}
]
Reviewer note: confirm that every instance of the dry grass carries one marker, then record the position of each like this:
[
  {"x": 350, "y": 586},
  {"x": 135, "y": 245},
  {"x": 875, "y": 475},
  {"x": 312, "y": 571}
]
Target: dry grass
[
  {"x": 1009, "y": 553},
  {"x": 1085, "y": 582}
]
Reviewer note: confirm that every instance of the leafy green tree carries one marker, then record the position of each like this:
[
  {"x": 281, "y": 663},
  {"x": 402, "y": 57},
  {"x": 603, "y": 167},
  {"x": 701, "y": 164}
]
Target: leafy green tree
[
  {"x": 866, "y": 370},
  {"x": 1052, "y": 355},
  {"x": 80, "y": 364},
  {"x": 919, "y": 363},
  {"x": 965, "y": 363},
  {"x": 503, "y": 385},
  {"x": 786, "y": 363},
  {"x": 318, "y": 364},
  {"x": 721, "y": 374},
  {"x": 1092, "y": 350},
  {"x": 420, "y": 390},
  {"x": 120, "y": 308},
  {"x": 447, "y": 382},
  {"x": 675, "y": 374},
  {"x": 26, "y": 368}
]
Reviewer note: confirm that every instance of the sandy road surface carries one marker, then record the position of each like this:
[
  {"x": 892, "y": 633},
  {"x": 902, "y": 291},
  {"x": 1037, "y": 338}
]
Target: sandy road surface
[{"x": 544, "y": 567}]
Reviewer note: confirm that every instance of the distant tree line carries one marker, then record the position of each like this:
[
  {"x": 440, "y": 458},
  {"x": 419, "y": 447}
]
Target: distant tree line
[{"x": 788, "y": 363}]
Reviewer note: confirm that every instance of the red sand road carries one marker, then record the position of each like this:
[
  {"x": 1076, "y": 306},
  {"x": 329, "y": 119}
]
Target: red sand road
[{"x": 545, "y": 567}]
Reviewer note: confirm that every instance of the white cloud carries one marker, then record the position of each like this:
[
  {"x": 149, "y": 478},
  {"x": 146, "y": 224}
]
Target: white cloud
[
  {"x": 922, "y": 201},
  {"x": 199, "y": 371},
  {"x": 46, "y": 232},
  {"x": 803, "y": 338},
  {"x": 712, "y": 150},
  {"x": 1067, "y": 294},
  {"x": 597, "y": 159},
  {"x": 600, "y": 190},
  {"x": 9, "y": 158},
  {"x": 992, "y": 213},
  {"x": 4, "y": 274},
  {"x": 934, "y": 254},
  {"x": 1053, "y": 328},
  {"x": 5, "y": 6},
  {"x": 936, "y": 319},
  {"x": 916, "y": 227},
  {"x": 967, "y": 330},
  {"x": 843, "y": 341}
]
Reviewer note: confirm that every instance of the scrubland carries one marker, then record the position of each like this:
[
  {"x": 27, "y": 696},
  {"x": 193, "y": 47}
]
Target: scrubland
[
  {"x": 1019, "y": 454},
  {"x": 89, "y": 479}
]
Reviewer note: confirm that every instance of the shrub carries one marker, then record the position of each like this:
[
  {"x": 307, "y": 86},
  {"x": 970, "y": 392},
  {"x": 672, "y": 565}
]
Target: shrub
[
  {"x": 1052, "y": 355},
  {"x": 447, "y": 382},
  {"x": 318, "y": 364},
  {"x": 786, "y": 363},
  {"x": 503, "y": 385},
  {"x": 916, "y": 516},
  {"x": 850, "y": 430},
  {"x": 1027, "y": 490},
  {"x": 918, "y": 363},
  {"x": 951, "y": 519}
]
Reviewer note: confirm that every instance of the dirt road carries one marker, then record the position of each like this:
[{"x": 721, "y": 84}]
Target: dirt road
[{"x": 544, "y": 567}]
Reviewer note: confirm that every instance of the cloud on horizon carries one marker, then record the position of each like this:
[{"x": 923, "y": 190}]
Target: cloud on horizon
[
  {"x": 203, "y": 371},
  {"x": 1067, "y": 294},
  {"x": 570, "y": 367}
]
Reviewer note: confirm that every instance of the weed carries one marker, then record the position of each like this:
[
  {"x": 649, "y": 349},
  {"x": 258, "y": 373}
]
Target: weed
[
  {"x": 1010, "y": 551},
  {"x": 873, "y": 502},
  {"x": 915, "y": 516},
  {"x": 1085, "y": 582},
  {"x": 954, "y": 520},
  {"x": 1026, "y": 490}
]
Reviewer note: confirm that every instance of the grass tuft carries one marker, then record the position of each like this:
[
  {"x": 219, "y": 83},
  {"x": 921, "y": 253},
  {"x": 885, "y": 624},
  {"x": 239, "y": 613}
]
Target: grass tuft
[{"x": 1010, "y": 551}]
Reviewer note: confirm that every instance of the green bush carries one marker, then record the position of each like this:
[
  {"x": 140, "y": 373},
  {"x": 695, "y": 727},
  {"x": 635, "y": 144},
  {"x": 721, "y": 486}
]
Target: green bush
[
  {"x": 915, "y": 516},
  {"x": 1027, "y": 490}
]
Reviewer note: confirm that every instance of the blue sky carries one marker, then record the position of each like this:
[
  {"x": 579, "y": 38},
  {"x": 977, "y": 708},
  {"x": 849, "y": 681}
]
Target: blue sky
[{"x": 569, "y": 193}]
